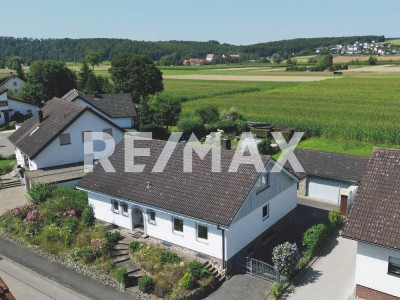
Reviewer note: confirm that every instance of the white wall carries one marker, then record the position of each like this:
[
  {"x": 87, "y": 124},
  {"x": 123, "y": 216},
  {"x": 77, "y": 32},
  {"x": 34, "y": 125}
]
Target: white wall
[
  {"x": 14, "y": 88},
  {"x": 55, "y": 154},
  {"x": 121, "y": 122},
  {"x": 163, "y": 228},
  {"x": 325, "y": 190},
  {"x": 22, "y": 107},
  {"x": 372, "y": 269},
  {"x": 19, "y": 157},
  {"x": 245, "y": 230}
]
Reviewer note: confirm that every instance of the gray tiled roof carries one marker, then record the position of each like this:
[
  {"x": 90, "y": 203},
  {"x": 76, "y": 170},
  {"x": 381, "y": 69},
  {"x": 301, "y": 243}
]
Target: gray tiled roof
[
  {"x": 113, "y": 105},
  {"x": 329, "y": 165},
  {"x": 57, "y": 114},
  {"x": 57, "y": 174},
  {"x": 202, "y": 194},
  {"x": 375, "y": 215}
]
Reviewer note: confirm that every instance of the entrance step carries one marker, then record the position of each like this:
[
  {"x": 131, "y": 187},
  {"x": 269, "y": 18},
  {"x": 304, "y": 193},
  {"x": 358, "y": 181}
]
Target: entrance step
[{"x": 121, "y": 258}]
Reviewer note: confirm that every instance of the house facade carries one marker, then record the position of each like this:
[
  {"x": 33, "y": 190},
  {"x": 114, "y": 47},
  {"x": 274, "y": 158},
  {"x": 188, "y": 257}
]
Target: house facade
[
  {"x": 51, "y": 143},
  {"x": 118, "y": 108},
  {"x": 11, "y": 82},
  {"x": 219, "y": 216},
  {"x": 374, "y": 223},
  {"x": 9, "y": 106}
]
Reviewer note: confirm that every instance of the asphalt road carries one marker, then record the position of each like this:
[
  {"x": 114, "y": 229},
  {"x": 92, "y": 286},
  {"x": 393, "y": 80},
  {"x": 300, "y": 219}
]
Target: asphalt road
[{"x": 69, "y": 279}]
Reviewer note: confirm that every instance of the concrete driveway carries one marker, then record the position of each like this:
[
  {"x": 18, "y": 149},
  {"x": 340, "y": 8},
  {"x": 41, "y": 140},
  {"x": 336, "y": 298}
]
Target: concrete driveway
[
  {"x": 331, "y": 277},
  {"x": 6, "y": 148},
  {"x": 242, "y": 286},
  {"x": 12, "y": 197}
]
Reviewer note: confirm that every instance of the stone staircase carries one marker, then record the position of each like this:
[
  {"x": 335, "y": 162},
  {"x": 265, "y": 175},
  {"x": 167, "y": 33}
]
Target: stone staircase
[
  {"x": 121, "y": 259},
  {"x": 218, "y": 274},
  {"x": 9, "y": 183}
]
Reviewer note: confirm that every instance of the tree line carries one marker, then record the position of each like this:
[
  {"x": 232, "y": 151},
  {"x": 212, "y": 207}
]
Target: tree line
[{"x": 75, "y": 50}]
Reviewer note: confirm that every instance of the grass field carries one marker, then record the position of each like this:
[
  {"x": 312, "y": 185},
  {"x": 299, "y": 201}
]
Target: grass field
[
  {"x": 394, "y": 42},
  {"x": 348, "y": 58},
  {"x": 360, "y": 109}
]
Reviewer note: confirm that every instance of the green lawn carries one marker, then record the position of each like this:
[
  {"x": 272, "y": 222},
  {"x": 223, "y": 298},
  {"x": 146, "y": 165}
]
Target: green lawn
[
  {"x": 340, "y": 146},
  {"x": 352, "y": 108},
  {"x": 7, "y": 162}
]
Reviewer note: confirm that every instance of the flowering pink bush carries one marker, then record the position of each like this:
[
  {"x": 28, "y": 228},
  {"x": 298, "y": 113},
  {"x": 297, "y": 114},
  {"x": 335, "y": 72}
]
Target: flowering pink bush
[
  {"x": 68, "y": 213},
  {"x": 22, "y": 211},
  {"x": 98, "y": 244},
  {"x": 34, "y": 217}
]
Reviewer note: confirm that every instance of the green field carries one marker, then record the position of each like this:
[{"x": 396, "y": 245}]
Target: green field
[{"x": 352, "y": 108}]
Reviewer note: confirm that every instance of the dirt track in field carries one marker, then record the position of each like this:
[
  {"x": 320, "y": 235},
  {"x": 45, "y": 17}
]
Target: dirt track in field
[
  {"x": 383, "y": 69},
  {"x": 249, "y": 78}
]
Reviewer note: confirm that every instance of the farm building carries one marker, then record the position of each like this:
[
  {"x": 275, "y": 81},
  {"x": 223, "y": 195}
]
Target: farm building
[
  {"x": 222, "y": 216},
  {"x": 329, "y": 177},
  {"x": 374, "y": 223},
  {"x": 118, "y": 108}
]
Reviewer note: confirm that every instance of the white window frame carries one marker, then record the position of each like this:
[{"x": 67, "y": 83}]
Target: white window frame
[
  {"x": 173, "y": 226},
  {"x": 122, "y": 204},
  {"x": 268, "y": 211},
  {"x": 393, "y": 261},
  {"x": 203, "y": 240},
  {"x": 149, "y": 212},
  {"x": 116, "y": 211},
  {"x": 64, "y": 134},
  {"x": 262, "y": 186}
]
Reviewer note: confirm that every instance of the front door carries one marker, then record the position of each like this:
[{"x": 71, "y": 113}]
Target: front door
[
  {"x": 137, "y": 218},
  {"x": 6, "y": 117},
  {"x": 343, "y": 204}
]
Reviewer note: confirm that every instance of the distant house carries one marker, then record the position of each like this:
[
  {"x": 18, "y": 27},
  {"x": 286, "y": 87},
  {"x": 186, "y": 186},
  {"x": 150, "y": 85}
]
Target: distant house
[
  {"x": 12, "y": 82},
  {"x": 223, "y": 216},
  {"x": 328, "y": 175},
  {"x": 209, "y": 57},
  {"x": 10, "y": 106},
  {"x": 196, "y": 61},
  {"x": 50, "y": 146},
  {"x": 118, "y": 108},
  {"x": 374, "y": 222}
]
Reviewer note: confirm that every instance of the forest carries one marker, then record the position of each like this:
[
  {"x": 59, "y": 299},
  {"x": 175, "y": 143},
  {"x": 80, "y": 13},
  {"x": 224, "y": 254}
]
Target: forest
[{"x": 74, "y": 50}]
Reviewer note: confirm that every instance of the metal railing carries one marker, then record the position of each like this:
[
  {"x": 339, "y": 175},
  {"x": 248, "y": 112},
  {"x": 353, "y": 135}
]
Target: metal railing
[{"x": 263, "y": 270}]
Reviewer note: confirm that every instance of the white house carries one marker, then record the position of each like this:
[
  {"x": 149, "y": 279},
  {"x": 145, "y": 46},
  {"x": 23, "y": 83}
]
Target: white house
[
  {"x": 222, "y": 216},
  {"x": 329, "y": 176},
  {"x": 118, "y": 108},
  {"x": 374, "y": 222},
  {"x": 50, "y": 145},
  {"x": 11, "y": 82},
  {"x": 9, "y": 106}
]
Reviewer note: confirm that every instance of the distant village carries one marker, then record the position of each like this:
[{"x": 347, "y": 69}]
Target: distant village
[{"x": 360, "y": 48}]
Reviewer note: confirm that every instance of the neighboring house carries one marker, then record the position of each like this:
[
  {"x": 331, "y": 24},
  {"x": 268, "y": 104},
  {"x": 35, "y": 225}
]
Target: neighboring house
[
  {"x": 328, "y": 174},
  {"x": 118, "y": 108},
  {"x": 374, "y": 222},
  {"x": 222, "y": 216},
  {"x": 12, "y": 83},
  {"x": 50, "y": 145},
  {"x": 209, "y": 57},
  {"x": 9, "y": 106}
]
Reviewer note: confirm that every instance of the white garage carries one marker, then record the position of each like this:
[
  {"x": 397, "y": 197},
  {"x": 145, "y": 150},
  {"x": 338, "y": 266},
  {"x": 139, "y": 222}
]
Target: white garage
[{"x": 327, "y": 173}]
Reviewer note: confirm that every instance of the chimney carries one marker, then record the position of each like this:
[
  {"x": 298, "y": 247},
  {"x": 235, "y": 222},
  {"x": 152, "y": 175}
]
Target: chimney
[
  {"x": 40, "y": 114},
  {"x": 226, "y": 144}
]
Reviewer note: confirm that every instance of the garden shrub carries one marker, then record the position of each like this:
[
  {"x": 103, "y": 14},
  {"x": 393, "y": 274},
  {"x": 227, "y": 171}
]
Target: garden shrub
[
  {"x": 41, "y": 192},
  {"x": 209, "y": 114},
  {"x": 121, "y": 275},
  {"x": 51, "y": 233},
  {"x": 146, "y": 284},
  {"x": 232, "y": 114},
  {"x": 70, "y": 224},
  {"x": 277, "y": 289},
  {"x": 315, "y": 236},
  {"x": 188, "y": 281},
  {"x": 169, "y": 257},
  {"x": 191, "y": 124},
  {"x": 158, "y": 132},
  {"x": 227, "y": 125},
  {"x": 197, "y": 269},
  {"x": 87, "y": 217},
  {"x": 75, "y": 255},
  {"x": 285, "y": 258},
  {"x": 134, "y": 246},
  {"x": 335, "y": 218},
  {"x": 112, "y": 237}
]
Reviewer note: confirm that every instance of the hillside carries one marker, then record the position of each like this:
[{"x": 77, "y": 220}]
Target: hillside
[{"x": 74, "y": 49}]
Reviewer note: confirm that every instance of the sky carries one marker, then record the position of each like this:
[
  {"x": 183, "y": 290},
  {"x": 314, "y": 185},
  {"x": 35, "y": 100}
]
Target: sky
[{"x": 240, "y": 22}]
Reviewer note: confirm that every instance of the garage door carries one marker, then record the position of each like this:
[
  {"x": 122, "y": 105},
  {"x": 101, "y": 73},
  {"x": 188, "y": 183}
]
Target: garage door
[{"x": 326, "y": 190}]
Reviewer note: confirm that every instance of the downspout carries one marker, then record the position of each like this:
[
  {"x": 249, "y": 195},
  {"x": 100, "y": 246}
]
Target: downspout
[{"x": 223, "y": 247}]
